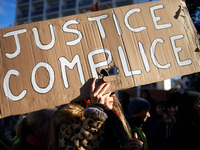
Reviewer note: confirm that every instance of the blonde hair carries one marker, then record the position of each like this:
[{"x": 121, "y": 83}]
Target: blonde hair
[
  {"x": 67, "y": 113},
  {"x": 118, "y": 107}
]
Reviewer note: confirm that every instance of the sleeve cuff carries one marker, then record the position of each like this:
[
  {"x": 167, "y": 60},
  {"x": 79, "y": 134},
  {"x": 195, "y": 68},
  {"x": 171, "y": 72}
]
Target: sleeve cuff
[{"x": 95, "y": 113}]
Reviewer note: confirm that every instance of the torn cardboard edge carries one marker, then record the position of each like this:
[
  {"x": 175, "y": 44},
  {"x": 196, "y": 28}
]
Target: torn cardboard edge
[{"x": 187, "y": 22}]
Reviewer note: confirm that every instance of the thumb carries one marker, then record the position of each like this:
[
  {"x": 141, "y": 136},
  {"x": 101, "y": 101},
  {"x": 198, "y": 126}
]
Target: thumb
[{"x": 135, "y": 135}]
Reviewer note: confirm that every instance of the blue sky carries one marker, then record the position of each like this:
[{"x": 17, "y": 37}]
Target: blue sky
[{"x": 7, "y": 13}]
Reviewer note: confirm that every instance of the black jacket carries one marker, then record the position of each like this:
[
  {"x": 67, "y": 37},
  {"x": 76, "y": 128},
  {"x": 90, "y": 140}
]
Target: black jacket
[{"x": 186, "y": 135}]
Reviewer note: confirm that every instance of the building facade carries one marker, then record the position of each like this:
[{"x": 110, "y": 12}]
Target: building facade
[{"x": 28, "y": 11}]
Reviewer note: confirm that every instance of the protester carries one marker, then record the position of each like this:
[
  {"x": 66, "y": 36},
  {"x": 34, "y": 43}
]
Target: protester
[
  {"x": 33, "y": 130},
  {"x": 8, "y": 130},
  {"x": 100, "y": 125},
  {"x": 163, "y": 128},
  {"x": 3, "y": 145},
  {"x": 138, "y": 114},
  {"x": 187, "y": 130},
  {"x": 151, "y": 121}
]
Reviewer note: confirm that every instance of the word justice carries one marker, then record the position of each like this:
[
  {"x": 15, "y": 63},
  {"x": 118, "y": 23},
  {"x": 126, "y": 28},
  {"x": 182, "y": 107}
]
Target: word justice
[{"x": 79, "y": 33}]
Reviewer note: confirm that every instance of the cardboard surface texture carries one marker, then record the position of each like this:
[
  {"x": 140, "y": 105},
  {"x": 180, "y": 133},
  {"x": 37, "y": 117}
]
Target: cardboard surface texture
[{"x": 50, "y": 63}]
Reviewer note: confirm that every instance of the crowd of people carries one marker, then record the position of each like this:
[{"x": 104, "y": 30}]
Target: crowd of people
[{"x": 104, "y": 123}]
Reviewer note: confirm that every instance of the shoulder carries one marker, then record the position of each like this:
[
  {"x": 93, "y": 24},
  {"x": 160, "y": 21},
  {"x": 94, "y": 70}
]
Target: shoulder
[{"x": 68, "y": 113}]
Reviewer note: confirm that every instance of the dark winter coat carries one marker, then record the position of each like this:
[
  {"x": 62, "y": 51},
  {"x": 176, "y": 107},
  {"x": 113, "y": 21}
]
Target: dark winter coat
[
  {"x": 136, "y": 127},
  {"x": 148, "y": 125},
  {"x": 159, "y": 134},
  {"x": 186, "y": 135}
]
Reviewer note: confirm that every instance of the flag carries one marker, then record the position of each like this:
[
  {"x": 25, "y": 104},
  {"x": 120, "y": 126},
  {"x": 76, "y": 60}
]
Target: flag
[{"x": 95, "y": 7}]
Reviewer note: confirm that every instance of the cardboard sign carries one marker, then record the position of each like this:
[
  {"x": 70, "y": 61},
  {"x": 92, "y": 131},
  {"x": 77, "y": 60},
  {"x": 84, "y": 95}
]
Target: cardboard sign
[{"x": 49, "y": 63}]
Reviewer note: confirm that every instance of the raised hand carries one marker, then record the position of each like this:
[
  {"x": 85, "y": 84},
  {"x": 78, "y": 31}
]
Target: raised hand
[{"x": 97, "y": 93}]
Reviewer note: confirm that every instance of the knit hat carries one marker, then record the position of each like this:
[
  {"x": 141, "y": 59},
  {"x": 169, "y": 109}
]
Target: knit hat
[
  {"x": 137, "y": 105},
  {"x": 190, "y": 98}
]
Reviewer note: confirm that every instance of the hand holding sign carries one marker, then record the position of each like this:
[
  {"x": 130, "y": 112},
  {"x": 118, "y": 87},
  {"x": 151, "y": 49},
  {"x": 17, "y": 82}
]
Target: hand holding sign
[{"x": 99, "y": 94}]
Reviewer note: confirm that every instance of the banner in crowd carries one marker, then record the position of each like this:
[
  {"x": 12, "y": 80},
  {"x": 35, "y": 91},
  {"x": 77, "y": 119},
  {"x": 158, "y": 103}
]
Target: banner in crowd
[{"x": 50, "y": 63}]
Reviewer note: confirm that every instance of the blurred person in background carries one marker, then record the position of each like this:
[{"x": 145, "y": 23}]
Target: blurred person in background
[
  {"x": 33, "y": 130},
  {"x": 187, "y": 130},
  {"x": 138, "y": 114},
  {"x": 8, "y": 130},
  {"x": 151, "y": 121},
  {"x": 164, "y": 127}
]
